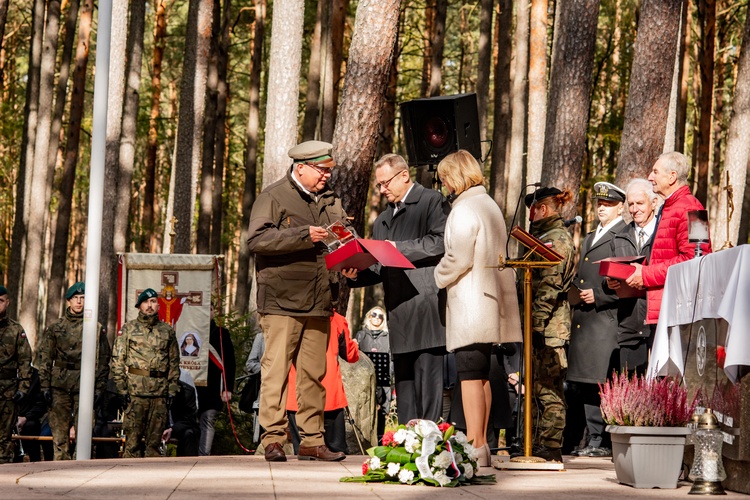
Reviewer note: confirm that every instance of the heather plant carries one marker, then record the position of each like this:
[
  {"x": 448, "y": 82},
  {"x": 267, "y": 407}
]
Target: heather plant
[{"x": 638, "y": 401}]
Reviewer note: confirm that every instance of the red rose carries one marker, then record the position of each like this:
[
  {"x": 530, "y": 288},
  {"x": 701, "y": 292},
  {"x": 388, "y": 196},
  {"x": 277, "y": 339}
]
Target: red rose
[
  {"x": 387, "y": 438},
  {"x": 721, "y": 356},
  {"x": 444, "y": 426},
  {"x": 365, "y": 467}
]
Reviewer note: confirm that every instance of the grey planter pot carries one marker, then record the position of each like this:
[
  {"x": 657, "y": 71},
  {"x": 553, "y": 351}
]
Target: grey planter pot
[{"x": 648, "y": 457}]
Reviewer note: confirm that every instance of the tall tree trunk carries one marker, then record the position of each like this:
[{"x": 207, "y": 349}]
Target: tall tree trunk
[
  {"x": 57, "y": 268},
  {"x": 514, "y": 176},
  {"x": 737, "y": 154},
  {"x": 484, "y": 65},
  {"x": 650, "y": 86},
  {"x": 332, "y": 76},
  {"x": 570, "y": 95},
  {"x": 437, "y": 44},
  {"x": 221, "y": 130},
  {"x": 429, "y": 23},
  {"x": 682, "y": 102},
  {"x": 203, "y": 236},
  {"x": 285, "y": 61},
  {"x": 115, "y": 98},
  {"x": 245, "y": 264},
  {"x": 355, "y": 138},
  {"x": 148, "y": 243},
  {"x": 190, "y": 124},
  {"x": 707, "y": 17},
  {"x": 38, "y": 211},
  {"x": 128, "y": 136},
  {"x": 387, "y": 130},
  {"x": 501, "y": 130},
  {"x": 312, "y": 99},
  {"x": 3, "y": 20},
  {"x": 537, "y": 90},
  {"x": 28, "y": 141}
]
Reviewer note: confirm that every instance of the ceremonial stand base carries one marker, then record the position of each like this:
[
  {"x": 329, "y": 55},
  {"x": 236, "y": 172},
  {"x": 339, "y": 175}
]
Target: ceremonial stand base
[{"x": 525, "y": 463}]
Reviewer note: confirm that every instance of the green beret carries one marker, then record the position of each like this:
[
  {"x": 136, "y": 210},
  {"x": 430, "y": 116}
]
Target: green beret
[
  {"x": 3, "y": 291},
  {"x": 76, "y": 289},
  {"x": 311, "y": 152},
  {"x": 145, "y": 295}
]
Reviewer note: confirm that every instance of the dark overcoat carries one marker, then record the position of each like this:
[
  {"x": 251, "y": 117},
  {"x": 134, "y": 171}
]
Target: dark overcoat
[
  {"x": 593, "y": 333},
  {"x": 415, "y": 305}
]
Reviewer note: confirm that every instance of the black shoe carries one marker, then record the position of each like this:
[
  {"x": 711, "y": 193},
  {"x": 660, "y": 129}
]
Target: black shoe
[
  {"x": 549, "y": 454},
  {"x": 595, "y": 451}
]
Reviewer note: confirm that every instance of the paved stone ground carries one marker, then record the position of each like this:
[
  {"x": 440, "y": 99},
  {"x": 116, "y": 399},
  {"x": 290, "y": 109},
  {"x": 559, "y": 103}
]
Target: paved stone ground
[{"x": 233, "y": 477}]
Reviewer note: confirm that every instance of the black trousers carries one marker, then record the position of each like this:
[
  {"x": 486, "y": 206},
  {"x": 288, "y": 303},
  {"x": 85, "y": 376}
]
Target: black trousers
[{"x": 419, "y": 384}]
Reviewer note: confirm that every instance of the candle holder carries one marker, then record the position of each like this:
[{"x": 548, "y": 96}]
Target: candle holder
[
  {"x": 708, "y": 468},
  {"x": 698, "y": 229}
]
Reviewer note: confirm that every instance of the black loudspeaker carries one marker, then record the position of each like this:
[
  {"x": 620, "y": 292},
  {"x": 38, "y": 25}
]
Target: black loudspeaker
[{"x": 437, "y": 126}]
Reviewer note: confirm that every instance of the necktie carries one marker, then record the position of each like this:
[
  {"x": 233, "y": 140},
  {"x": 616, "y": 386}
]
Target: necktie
[
  {"x": 397, "y": 206},
  {"x": 641, "y": 239}
]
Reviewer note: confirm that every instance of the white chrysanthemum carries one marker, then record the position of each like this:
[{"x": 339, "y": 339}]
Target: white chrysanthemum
[
  {"x": 468, "y": 470},
  {"x": 393, "y": 469},
  {"x": 399, "y": 436},
  {"x": 471, "y": 452},
  {"x": 442, "y": 478},
  {"x": 458, "y": 457},
  {"x": 405, "y": 476},
  {"x": 443, "y": 460},
  {"x": 460, "y": 438},
  {"x": 374, "y": 463},
  {"x": 412, "y": 443}
]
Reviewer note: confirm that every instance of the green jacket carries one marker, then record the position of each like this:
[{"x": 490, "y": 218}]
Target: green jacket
[
  {"x": 58, "y": 356},
  {"x": 291, "y": 269},
  {"x": 146, "y": 344},
  {"x": 15, "y": 358},
  {"x": 550, "y": 309}
]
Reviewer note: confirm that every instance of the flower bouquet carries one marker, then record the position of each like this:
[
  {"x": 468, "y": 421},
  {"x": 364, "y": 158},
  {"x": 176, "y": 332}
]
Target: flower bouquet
[{"x": 423, "y": 451}]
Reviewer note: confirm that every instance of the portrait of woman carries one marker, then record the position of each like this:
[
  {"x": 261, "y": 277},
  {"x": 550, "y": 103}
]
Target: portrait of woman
[{"x": 190, "y": 345}]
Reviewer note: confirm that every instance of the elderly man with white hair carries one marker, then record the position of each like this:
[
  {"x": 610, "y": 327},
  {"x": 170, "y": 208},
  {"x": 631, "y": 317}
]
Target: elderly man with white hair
[{"x": 633, "y": 336}]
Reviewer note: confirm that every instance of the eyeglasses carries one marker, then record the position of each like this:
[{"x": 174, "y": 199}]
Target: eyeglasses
[
  {"x": 377, "y": 315},
  {"x": 384, "y": 184},
  {"x": 320, "y": 170}
]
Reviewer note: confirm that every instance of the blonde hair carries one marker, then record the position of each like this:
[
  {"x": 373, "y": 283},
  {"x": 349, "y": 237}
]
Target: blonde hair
[{"x": 461, "y": 171}]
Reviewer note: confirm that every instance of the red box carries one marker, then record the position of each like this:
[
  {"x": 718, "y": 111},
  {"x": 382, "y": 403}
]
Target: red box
[
  {"x": 618, "y": 267},
  {"x": 361, "y": 254}
]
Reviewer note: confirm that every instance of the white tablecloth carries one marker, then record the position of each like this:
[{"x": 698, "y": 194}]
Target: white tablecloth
[{"x": 714, "y": 286}]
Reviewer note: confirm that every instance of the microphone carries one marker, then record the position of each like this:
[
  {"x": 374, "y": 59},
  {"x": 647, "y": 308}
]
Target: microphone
[{"x": 575, "y": 220}]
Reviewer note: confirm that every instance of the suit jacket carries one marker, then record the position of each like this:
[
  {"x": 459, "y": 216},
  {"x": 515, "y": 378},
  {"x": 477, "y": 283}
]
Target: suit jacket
[
  {"x": 593, "y": 335},
  {"x": 415, "y": 304},
  {"x": 631, "y": 311}
]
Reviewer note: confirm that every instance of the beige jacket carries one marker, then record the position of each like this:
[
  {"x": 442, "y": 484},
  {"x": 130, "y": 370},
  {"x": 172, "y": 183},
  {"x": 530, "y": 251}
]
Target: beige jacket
[{"x": 482, "y": 303}]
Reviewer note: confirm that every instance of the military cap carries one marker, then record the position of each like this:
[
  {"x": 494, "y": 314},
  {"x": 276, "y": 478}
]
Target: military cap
[
  {"x": 3, "y": 291},
  {"x": 317, "y": 153},
  {"x": 608, "y": 191},
  {"x": 145, "y": 295},
  {"x": 540, "y": 194},
  {"x": 78, "y": 288}
]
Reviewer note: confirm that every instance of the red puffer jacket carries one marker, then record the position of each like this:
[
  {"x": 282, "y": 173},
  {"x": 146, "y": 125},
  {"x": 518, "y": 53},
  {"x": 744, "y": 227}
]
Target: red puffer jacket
[{"x": 670, "y": 246}]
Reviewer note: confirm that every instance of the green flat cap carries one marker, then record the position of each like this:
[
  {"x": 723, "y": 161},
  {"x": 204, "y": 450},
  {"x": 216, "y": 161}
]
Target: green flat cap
[
  {"x": 145, "y": 295},
  {"x": 76, "y": 289},
  {"x": 3, "y": 291},
  {"x": 317, "y": 152}
]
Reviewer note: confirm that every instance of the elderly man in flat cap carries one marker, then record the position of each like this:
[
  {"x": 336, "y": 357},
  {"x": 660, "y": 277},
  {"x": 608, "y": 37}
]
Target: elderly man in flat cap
[
  {"x": 146, "y": 371},
  {"x": 15, "y": 374},
  {"x": 287, "y": 232},
  {"x": 58, "y": 359},
  {"x": 593, "y": 335}
]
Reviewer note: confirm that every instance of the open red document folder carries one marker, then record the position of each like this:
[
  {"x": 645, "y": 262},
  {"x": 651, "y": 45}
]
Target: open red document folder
[
  {"x": 620, "y": 268},
  {"x": 361, "y": 254}
]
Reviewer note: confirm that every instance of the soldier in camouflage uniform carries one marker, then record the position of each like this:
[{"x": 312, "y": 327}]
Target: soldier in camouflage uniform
[
  {"x": 145, "y": 370},
  {"x": 550, "y": 321},
  {"x": 58, "y": 359},
  {"x": 15, "y": 374}
]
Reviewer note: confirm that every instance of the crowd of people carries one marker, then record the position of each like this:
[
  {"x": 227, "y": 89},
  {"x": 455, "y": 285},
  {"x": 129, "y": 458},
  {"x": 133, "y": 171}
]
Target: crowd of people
[{"x": 447, "y": 339}]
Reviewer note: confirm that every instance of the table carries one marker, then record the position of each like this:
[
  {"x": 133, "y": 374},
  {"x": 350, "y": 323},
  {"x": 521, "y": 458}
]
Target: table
[{"x": 714, "y": 286}]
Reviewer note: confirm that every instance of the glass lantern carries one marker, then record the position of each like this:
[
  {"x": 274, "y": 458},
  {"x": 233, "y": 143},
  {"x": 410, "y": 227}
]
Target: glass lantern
[{"x": 708, "y": 469}]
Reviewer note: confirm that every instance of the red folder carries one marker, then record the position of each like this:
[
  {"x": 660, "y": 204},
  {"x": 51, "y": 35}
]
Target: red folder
[
  {"x": 361, "y": 254},
  {"x": 620, "y": 268}
]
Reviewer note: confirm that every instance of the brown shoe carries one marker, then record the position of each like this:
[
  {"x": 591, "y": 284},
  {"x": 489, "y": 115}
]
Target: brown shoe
[
  {"x": 275, "y": 453},
  {"x": 319, "y": 453}
]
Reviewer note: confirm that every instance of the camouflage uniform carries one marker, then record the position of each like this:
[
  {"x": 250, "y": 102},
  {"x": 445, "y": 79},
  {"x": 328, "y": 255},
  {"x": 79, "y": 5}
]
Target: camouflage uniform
[
  {"x": 551, "y": 332},
  {"x": 58, "y": 360},
  {"x": 15, "y": 373},
  {"x": 145, "y": 366}
]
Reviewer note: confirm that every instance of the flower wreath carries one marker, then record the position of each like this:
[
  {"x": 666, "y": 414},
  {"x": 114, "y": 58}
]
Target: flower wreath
[{"x": 423, "y": 451}]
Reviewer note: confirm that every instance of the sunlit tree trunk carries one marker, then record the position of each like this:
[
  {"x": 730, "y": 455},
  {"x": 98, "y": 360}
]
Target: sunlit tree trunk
[
  {"x": 484, "y": 65},
  {"x": 707, "y": 17},
  {"x": 537, "y": 90},
  {"x": 222, "y": 98},
  {"x": 502, "y": 116},
  {"x": 312, "y": 99},
  {"x": 332, "y": 72}
]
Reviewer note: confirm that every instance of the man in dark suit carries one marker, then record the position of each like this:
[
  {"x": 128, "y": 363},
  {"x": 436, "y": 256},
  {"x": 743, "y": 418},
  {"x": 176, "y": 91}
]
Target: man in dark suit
[
  {"x": 633, "y": 335},
  {"x": 593, "y": 336},
  {"x": 414, "y": 223}
]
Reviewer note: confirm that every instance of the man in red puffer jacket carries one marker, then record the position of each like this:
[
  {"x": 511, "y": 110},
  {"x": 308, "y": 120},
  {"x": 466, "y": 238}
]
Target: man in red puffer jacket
[{"x": 670, "y": 242}]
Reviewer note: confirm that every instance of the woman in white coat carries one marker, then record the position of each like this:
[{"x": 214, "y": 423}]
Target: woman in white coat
[{"x": 482, "y": 307}]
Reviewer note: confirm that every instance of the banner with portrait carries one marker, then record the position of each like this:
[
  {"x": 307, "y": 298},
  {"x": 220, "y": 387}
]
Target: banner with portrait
[{"x": 184, "y": 284}]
